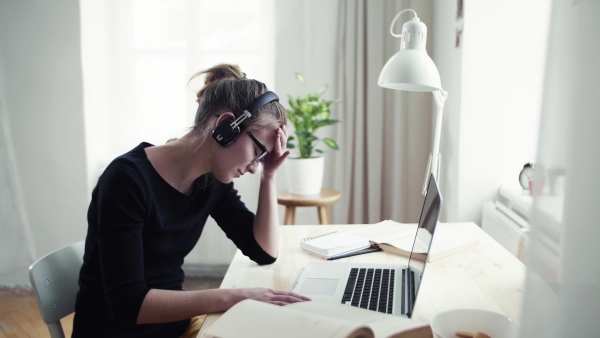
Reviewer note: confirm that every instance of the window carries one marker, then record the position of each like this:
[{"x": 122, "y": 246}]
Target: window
[{"x": 138, "y": 56}]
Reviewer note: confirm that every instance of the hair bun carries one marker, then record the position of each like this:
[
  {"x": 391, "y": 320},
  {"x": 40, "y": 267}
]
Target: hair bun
[
  {"x": 222, "y": 72},
  {"x": 219, "y": 73}
]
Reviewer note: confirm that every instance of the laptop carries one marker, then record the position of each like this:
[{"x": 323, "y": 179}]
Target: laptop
[{"x": 384, "y": 288}]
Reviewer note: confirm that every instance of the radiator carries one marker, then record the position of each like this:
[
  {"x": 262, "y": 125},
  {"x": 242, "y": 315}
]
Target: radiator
[{"x": 504, "y": 220}]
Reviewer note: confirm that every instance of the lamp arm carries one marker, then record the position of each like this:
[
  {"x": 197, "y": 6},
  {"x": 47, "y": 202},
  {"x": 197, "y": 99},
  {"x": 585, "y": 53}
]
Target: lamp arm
[
  {"x": 440, "y": 98},
  {"x": 433, "y": 164}
]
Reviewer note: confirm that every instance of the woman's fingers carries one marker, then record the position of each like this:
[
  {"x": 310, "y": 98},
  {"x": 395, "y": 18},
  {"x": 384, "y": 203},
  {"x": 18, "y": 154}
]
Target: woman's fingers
[
  {"x": 274, "y": 296},
  {"x": 275, "y": 159},
  {"x": 289, "y": 296},
  {"x": 283, "y": 136}
]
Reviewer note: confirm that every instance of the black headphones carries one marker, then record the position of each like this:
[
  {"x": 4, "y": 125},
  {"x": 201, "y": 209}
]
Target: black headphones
[{"x": 228, "y": 130}]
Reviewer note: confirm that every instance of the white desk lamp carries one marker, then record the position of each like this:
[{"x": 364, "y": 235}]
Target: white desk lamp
[{"x": 411, "y": 69}]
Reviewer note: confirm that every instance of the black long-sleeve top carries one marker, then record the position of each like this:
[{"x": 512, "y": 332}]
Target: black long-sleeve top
[{"x": 139, "y": 231}]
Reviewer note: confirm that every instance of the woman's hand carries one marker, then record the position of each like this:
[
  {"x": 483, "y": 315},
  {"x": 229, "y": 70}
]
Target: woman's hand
[
  {"x": 162, "y": 306},
  {"x": 275, "y": 158},
  {"x": 268, "y": 296}
]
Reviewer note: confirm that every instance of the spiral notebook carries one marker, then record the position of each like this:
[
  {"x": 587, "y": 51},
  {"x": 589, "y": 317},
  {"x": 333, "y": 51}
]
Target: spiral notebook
[{"x": 333, "y": 244}]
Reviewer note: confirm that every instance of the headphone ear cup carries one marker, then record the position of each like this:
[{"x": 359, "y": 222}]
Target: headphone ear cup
[{"x": 225, "y": 134}]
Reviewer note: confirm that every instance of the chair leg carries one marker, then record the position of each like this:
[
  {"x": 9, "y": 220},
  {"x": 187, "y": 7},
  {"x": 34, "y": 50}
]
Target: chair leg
[{"x": 56, "y": 330}]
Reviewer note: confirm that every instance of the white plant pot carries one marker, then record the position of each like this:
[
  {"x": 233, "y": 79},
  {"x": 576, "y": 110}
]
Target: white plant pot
[{"x": 305, "y": 175}]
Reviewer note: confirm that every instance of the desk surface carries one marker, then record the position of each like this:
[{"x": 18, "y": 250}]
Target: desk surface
[{"x": 485, "y": 276}]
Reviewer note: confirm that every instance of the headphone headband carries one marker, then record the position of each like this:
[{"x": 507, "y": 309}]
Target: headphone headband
[
  {"x": 262, "y": 100},
  {"x": 229, "y": 130},
  {"x": 258, "y": 103}
]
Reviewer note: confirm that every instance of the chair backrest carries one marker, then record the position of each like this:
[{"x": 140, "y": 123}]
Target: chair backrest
[{"x": 54, "y": 279}]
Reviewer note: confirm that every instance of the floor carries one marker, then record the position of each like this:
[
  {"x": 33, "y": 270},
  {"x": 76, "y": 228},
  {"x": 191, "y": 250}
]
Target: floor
[{"x": 20, "y": 317}]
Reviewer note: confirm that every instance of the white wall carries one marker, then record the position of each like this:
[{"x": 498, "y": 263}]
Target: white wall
[
  {"x": 43, "y": 152},
  {"x": 494, "y": 80},
  {"x": 305, "y": 41}
]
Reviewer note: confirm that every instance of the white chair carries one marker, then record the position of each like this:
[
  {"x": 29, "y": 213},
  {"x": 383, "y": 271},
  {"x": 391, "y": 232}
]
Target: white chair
[{"x": 54, "y": 279}]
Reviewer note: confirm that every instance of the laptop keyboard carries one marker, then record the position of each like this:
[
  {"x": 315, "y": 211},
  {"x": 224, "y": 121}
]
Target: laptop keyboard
[{"x": 371, "y": 289}]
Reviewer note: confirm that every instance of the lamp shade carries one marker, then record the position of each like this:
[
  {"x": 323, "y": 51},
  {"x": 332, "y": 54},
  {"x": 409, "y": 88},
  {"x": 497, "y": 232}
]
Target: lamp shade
[{"x": 411, "y": 68}]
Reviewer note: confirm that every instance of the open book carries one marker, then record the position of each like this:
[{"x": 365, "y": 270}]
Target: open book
[
  {"x": 318, "y": 318},
  {"x": 398, "y": 238}
]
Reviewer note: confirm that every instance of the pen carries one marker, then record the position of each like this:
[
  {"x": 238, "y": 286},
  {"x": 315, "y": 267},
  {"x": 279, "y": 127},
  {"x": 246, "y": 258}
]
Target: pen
[{"x": 355, "y": 253}]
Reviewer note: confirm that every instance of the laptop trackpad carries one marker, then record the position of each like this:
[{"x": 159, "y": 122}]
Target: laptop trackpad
[{"x": 319, "y": 286}]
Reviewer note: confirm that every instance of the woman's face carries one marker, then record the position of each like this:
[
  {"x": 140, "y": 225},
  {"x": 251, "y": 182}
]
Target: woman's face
[{"x": 244, "y": 155}]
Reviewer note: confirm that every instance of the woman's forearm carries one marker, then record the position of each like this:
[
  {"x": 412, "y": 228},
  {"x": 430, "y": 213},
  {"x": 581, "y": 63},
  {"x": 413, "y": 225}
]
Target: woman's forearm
[
  {"x": 162, "y": 306},
  {"x": 266, "y": 222}
]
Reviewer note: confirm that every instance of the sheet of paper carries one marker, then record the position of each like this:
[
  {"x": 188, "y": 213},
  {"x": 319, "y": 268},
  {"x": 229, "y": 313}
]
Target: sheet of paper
[
  {"x": 387, "y": 231},
  {"x": 383, "y": 325}
]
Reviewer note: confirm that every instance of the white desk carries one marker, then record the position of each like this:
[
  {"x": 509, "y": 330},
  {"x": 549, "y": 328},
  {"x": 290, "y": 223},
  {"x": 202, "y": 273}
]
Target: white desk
[{"x": 486, "y": 276}]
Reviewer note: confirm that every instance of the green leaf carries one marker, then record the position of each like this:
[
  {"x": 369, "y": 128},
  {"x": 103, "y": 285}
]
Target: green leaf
[
  {"x": 322, "y": 90},
  {"x": 331, "y": 143},
  {"x": 311, "y": 138},
  {"x": 300, "y": 78},
  {"x": 302, "y": 134},
  {"x": 293, "y": 103},
  {"x": 323, "y": 123}
]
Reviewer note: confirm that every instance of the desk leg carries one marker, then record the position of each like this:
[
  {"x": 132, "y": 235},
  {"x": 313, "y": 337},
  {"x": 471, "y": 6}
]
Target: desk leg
[
  {"x": 323, "y": 215},
  {"x": 290, "y": 215}
]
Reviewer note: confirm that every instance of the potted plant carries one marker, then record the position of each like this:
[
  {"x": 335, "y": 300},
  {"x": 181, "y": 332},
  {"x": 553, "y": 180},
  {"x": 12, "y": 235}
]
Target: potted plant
[{"x": 308, "y": 113}]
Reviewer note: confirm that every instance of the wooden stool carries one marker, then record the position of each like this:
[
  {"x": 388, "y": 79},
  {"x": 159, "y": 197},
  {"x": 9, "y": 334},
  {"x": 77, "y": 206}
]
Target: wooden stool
[{"x": 321, "y": 201}]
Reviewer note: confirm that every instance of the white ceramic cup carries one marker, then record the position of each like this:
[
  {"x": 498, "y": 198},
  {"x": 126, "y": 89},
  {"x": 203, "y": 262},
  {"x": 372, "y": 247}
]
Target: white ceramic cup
[{"x": 446, "y": 324}]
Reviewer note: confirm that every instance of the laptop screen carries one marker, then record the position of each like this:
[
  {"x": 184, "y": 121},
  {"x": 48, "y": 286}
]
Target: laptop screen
[{"x": 425, "y": 231}]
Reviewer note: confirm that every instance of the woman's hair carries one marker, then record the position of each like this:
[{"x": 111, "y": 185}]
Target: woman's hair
[{"x": 226, "y": 88}]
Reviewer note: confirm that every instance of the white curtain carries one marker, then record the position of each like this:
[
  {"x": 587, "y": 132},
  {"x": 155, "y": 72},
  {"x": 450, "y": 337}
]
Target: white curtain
[
  {"x": 386, "y": 135},
  {"x": 138, "y": 56},
  {"x": 562, "y": 291}
]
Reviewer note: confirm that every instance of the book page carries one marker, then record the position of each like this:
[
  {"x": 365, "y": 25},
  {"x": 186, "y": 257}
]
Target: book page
[
  {"x": 387, "y": 232},
  {"x": 447, "y": 241},
  {"x": 383, "y": 325},
  {"x": 251, "y": 318},
  {"x": 398, "y": 238}
]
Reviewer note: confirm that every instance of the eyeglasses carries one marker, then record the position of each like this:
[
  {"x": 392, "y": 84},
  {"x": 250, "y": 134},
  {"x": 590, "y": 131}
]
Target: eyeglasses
[{"x": 258, "y": 158}]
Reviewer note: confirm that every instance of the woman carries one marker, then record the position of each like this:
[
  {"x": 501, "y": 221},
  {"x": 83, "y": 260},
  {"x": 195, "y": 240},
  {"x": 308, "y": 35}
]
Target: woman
[{"x": 150, "y": 206}]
